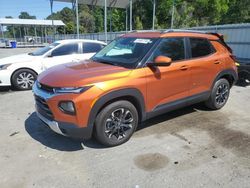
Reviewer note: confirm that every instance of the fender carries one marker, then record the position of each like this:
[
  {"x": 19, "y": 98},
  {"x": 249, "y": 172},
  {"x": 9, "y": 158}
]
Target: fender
[
  {"x": 226, "y": 72},
  {"x": 128, "y": 92}
]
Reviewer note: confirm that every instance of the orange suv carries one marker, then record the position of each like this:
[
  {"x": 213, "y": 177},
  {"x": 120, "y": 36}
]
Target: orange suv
[{"x": 137, "y": 76}]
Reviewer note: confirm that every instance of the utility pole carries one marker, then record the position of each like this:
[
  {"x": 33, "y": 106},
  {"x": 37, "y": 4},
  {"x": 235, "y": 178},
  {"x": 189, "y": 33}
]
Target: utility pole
[
  {"x": 153, "y": 24},
  {"x": 172, "y": 19},
  {"x": 52, "y": 19},
  {"x": 77, "y": 19}
]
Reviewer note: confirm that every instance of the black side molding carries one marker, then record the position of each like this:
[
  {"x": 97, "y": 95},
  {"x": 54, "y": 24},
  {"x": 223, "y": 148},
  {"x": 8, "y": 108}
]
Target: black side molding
[{"x": 164, "y": 108}]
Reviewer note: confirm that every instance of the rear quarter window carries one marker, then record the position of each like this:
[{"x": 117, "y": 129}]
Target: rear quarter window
[{"x": 200, "y": 47}]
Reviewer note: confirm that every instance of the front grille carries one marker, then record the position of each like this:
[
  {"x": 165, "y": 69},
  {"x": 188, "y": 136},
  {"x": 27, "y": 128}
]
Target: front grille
[
  {"x": 43, "y": 108},
  {"x": 46, "y": 88}
]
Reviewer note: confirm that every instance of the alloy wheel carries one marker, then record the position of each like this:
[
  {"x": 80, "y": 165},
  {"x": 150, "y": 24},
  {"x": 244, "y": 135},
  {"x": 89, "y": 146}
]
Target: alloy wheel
[
  {"x": 25, "y": 80},
  {"x": 119, "y": 124},
  {"x": 222, "y": 94}
]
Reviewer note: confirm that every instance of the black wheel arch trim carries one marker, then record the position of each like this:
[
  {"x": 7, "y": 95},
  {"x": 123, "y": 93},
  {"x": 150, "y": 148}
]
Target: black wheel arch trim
[
  {"x": 118, "y": 94},
  {"x": 227, "y": 72}
]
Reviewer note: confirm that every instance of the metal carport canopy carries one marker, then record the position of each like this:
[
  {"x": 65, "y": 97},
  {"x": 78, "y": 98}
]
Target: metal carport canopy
[
  {"x": 27, "y": 22},
  {"x": 110, "y": 3},
  {"x": 33, "y": 22},
  {"x": 104, "y": 3}
]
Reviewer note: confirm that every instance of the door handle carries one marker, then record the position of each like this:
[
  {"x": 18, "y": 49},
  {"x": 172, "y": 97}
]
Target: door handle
[
  {"x": 184, "y": 67},
  {"x": 217, "y": 62}
]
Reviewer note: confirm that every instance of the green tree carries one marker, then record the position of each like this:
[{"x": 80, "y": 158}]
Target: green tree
[{"x": 25, "y": 15}]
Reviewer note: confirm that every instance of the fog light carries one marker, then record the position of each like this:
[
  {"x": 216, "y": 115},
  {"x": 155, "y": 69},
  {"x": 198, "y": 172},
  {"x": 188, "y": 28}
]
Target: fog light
[{"x": 67, "y": 107}]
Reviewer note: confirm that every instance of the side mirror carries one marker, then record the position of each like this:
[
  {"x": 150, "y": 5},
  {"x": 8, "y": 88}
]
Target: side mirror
[
  {"x": 161, "y": 61},
  {"x": 49, "y": 55}
]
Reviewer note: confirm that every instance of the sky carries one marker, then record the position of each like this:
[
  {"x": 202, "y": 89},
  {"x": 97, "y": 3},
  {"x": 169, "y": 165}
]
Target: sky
[{"x": 38, "y": 8}]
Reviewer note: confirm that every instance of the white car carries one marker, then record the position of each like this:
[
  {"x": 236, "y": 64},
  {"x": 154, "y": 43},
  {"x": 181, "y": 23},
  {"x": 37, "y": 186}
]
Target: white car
[{"x": 21, "y": 71}]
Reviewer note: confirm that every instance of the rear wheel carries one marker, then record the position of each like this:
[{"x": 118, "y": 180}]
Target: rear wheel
[
  {"x": 116, "y": 123},
  {"x": 23, "y": 79},
  {"x": 219, "y": 95}
]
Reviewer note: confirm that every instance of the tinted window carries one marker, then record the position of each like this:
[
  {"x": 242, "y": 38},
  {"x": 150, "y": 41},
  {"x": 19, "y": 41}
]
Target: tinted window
[
  {"x": 200, "y": 47},
  {"x": 43, "y": 50},
  {"x": 91, "y": 47},
  {"x": 171, "y": 47},
  {"x": 66, "y": 49}
]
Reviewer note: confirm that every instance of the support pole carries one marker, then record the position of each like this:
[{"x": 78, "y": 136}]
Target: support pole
[
  {"x": 42, "y": 41},
  {"x": 51, "y": 11},
  {"x": 77, "y": 19},
  {"x": 172, "y": 19},
  {"x": 131, "y": 14},
  {"x": 20, "y": 33},
  {"x": 1, "y": 26},
  {"x": 14, "y": 34},
  {"x": 24, "y": 28},
  {"x": 105, "y": 21},
  {"x": 126, "y": 22},
  {"x": 153, "y": 24},
  {"x": 35, "y": 31}
]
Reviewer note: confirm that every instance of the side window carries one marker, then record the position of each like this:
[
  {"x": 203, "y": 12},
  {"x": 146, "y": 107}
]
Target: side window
[
  {"x": 66, "y": 49},
  {"x": 200, "y": 47},
  {"x": 170, "y": 47},
  {"x": 89, "y": 47}
]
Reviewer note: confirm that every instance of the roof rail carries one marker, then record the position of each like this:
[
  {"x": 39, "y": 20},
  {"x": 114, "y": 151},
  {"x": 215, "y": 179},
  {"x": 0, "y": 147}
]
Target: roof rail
[
  {"x": 184, "y": 30},
  {"x": 135, "y": 31}
]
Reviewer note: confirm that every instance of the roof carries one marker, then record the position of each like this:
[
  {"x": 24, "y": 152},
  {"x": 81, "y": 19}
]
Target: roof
[
  {"x": 110, "y": 3},
  {"x": 170, "y": 33},
  {"x": 79, "y": 40},
  {"x": 10, "y": 21}
]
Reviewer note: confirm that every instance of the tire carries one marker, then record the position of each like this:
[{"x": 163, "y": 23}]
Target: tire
[
  {"x": 111, "y": 129},
  {"x": 219, "y": 95},
  {"x": 23, "y": 79}
]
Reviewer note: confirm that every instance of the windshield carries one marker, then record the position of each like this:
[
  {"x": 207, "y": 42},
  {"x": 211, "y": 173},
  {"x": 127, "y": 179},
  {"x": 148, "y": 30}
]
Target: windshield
[
  {"x": 125, "y": 51},
  {"x": 43, "y": 50}
]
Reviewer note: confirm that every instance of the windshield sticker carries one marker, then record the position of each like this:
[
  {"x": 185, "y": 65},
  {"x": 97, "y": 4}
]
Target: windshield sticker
[{"x": 143, "y": 41}]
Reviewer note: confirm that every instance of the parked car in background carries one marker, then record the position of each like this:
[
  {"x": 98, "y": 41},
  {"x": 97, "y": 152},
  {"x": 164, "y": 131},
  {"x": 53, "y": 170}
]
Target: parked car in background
[
  {"x": 136, "y": 77},
  {"x": 21, "y": 71},
  {"x": 244, "y": 70}
]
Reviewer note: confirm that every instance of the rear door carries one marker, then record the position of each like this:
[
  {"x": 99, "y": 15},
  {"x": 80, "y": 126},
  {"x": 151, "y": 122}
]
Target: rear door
[
  {"x": 204, "y": 63},
  {"x": 168, "y": 84}
]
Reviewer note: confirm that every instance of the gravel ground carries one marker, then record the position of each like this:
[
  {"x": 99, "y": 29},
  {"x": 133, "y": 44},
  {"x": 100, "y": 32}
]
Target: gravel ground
[{"x": 191, "y": 147}]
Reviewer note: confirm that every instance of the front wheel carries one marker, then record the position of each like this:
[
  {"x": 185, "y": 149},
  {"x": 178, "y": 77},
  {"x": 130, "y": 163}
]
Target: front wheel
[
  {"x": 219, "y": 95},
  {"x": 23, "y": 79},
  {"x": 116, "y": 123}
]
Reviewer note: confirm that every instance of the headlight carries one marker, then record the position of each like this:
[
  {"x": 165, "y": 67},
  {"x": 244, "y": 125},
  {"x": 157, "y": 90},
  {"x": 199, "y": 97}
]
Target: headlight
[
  {"x": 3, "y": 67},
  {"x": 71, "y": 89},
  {"x": 67, "y": 107}
]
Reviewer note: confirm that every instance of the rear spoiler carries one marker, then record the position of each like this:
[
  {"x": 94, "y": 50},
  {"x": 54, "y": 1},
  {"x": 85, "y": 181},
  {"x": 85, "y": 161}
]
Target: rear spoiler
[{"x": 222, "y": 41}]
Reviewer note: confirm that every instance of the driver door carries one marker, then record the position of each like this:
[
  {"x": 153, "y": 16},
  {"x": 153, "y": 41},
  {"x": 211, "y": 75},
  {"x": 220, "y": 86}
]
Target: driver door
[
  {"x": 65, "y": 53},
  {"x": 171, "y": 83}
]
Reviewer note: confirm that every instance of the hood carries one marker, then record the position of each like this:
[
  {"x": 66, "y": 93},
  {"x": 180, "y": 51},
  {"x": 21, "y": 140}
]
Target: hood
[
  {"x": 81, "y": 73},
  {"x": 17, "y": 59}
]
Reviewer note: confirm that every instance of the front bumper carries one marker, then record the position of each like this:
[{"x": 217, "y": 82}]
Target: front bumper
[
  {"x": 5, "y": 78},
  {"x": 64, "y": 128},
  {"x": 67, "y": 129}
]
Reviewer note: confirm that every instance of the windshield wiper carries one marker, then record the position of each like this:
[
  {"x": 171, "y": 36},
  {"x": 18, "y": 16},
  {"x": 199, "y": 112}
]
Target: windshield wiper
[{"x": 30, "y": 53}]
